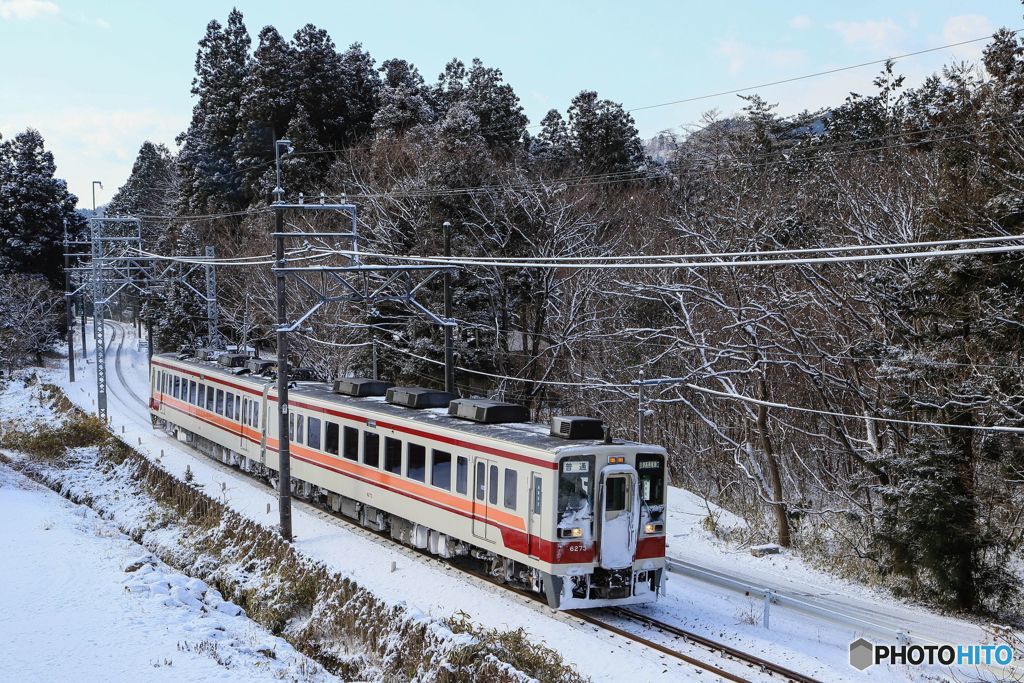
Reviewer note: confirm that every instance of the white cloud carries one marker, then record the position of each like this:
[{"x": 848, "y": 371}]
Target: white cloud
[
  {"x": 875, "y": 34},
  {"x": 967, "y": 27},
  {"x": 89, "y": 143},
  {"x": 738, "y": 55},
  {"x": 800, "y": 22},
  {"x": 27, "y": 9}
]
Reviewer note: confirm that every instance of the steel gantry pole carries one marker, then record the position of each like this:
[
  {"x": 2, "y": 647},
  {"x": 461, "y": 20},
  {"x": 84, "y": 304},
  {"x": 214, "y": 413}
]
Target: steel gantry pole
[
  {"x": 284, "y": 464},
  {"x": 283, "y": 445},
  {"x": 98, "y": 332},
  {"x": 68, "y": 298},
  {"x": 449, "y": 351}
]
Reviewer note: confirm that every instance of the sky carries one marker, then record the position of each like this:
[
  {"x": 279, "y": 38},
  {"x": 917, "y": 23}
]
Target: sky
[{"x": 97, "y": 78}]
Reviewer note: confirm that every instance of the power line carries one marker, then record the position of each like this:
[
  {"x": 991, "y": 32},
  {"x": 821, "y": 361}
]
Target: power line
[
  {"x": 830, "y": 413},
  {"x": 695, "y": 98}
]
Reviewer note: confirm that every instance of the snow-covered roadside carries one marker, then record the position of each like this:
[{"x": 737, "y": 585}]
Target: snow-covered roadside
[{"x": 81, "y": 601}]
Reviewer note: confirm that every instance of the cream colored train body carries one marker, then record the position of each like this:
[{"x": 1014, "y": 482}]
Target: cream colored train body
[{"x": 579, "y": 520}]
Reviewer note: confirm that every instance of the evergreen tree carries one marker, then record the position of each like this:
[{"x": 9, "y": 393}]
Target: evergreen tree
[
  {"x": 34, "y": 206},
  {"x": 604, "y": 136},
  {"x": 405, "y": 101},
  {"x": 270, "y": 95},
  {"x": 492, "y": 101},
  {"x": 210, "y": 181},
  {"x": 551, "y": 148}
]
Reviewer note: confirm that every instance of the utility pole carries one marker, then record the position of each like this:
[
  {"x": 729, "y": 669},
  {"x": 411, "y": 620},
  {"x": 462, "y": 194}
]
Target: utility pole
[
  {"x": 98, "y": 331},
  {"x": 449, "y": 351},
  {"x": 640, "y": 408},
  {"x": 68, "y": 298},
  {"x": 284, "y": 464},
  {"x": 212, "y": 311}
]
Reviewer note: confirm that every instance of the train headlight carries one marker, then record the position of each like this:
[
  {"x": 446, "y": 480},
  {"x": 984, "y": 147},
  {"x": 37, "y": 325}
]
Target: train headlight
[
  {"x": 575, "y": 532},
  {"x": 652, "y": 528}
]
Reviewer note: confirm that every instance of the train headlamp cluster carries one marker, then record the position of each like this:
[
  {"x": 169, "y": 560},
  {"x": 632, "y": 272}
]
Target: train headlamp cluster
[
  {"x": 617, "y": 460},
  {"x": 653, "y": 527},
  {"x": 575, "y": 532}
]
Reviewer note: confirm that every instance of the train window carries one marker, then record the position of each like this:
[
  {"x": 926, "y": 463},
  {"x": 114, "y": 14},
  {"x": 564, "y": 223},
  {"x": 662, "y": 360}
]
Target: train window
[
  {"x": 209, "y": 399},
  {"x": 220, "y": 402},
  {"x": 392, "y": 455},
  {"x": 461, "y": 475},
  {"x": 313, "y": 432},
  {"x": 481, "y": 480},
  {"x": 331, "y": 442},
  {"x": 651, "y": 468},
  {"x": 229, "y": 407},
  {"x": 538, "y": 496},
  {"x": 351, "y": 446},
  {"x": 256, "y": 418},
  {"x": 417, "y": 467},
  {"x": 492, "y": 488},
  {"x": 298, "y": 426},
  {"x": 371, "y": 449},
  {"x": 192, "y": 392},
  {"x": 615, "y": 494},
  {"x": 291, "y": 424},
  {"x": 201, "y": 401},
  {"x": 176, "y": 392},
  {"x": 441, "y": 470},
  {"x": 238, "y": 406},
  {"x": 575, "y": 494},
  {"x": 511, "y": 486}
]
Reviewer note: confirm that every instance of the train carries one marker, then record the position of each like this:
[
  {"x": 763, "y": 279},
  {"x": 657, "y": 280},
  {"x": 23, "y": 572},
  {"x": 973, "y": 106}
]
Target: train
[{"x": 559, "y": 509}]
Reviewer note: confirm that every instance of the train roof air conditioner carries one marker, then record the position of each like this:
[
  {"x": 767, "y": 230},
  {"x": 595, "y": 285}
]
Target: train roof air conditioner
[
  {"x": 258, "y": 366},
  {"x": 361, "y": 386},
  {"x": 419, "y": 397},
  {"x": 487, "y": 411},
  {"x": 233, "y": 360},
  {"x": 577, "y": 427}
]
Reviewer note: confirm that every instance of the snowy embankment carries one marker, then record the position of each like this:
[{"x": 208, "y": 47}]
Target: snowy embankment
[{"x": 82, "y": 601}]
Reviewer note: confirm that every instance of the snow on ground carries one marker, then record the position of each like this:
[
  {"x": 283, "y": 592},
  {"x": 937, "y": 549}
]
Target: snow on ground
[
  {"x": 83, "y": 602},
  {"x": 797, "y": 641}
]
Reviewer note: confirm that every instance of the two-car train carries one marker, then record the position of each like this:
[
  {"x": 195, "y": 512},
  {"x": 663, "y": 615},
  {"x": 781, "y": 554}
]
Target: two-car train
[{"x": 563, "y": 510}]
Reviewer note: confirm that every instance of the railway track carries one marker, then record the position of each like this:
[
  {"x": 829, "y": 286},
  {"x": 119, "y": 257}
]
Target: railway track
[
  {"x": 725, "y": 651},
  {"x": 758, "y": 664}
]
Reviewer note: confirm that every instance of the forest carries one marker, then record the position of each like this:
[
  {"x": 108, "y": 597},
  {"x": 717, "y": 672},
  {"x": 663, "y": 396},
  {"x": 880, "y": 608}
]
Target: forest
[{"x": 845, "y": 409}]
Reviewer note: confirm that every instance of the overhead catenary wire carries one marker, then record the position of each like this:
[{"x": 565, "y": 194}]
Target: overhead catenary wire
[
  {"x": 693, "y": 264},
  {"x": 724, "y": 254}
]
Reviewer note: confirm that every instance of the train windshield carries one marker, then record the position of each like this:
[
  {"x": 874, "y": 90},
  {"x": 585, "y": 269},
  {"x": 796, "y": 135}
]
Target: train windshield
[
  {"x": 651, "y": 469},
  {"x": 576, "y": 492}
]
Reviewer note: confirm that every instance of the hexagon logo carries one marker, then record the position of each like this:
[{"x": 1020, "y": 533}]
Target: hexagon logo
[{"x": 862, "y": 654}]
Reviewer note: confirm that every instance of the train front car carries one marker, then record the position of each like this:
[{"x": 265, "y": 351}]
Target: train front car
[{"x": 610, "y": 526}]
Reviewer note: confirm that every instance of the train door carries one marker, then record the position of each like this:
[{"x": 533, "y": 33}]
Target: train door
[
  {"x": 483, "y": 472},
  {"x": 535, "y": 525},
  {"x": 247, "y": 405},
  {"x": 619, "y": 508}
]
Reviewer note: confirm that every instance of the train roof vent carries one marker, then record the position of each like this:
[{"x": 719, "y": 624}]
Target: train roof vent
[
  {"x": 577, "y": 427},
  {"x": 362, "y": 386},
  {"x": 419, "y": 397},
  {"x": 233, "y": 360},
  {"x": 487, "y": 411}
]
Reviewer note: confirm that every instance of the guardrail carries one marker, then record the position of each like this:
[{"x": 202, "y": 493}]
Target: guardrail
[{"x": 773, "y": 597}]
